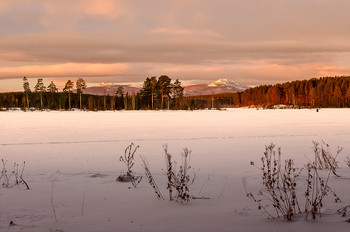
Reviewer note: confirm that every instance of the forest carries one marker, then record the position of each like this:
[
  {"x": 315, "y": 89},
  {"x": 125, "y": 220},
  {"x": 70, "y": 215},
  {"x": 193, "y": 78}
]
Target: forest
[
  {"x": 325, "y": 92},
  {"x": 161, "y": 93},
  {"x": 156, "y": 93},
  {"x": 322, "y": 92}
]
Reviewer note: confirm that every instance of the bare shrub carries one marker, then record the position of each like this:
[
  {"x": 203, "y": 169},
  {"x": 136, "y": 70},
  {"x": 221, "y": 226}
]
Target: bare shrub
[
  {"x": 128, "y": 159},
  {"x": 324, "y": 158},
  {"x": 9, "y": 179},
  {"x": 343, "y": 211},
  {"x": 317, "y": 187},
  {"x": 181, "y": 179},
  {"x": 280, "y": 185}
]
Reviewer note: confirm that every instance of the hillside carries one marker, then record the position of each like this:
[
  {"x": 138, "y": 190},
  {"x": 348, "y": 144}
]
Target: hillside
[{"x": 216, "y": 87}]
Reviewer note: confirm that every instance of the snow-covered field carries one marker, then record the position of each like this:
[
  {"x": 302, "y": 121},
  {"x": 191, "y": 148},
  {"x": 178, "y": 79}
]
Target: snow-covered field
[{"x": 72, "y": 158}]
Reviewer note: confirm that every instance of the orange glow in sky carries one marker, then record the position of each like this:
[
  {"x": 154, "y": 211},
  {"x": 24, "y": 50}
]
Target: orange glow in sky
[{"x": 118, "y": 41}]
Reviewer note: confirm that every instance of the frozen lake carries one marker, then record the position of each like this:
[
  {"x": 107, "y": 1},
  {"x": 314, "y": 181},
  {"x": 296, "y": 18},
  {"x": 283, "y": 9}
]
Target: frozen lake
[{"x": 67, "y": 148}]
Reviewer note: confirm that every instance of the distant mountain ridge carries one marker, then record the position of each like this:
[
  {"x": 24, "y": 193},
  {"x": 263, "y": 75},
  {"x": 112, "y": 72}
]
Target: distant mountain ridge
[
  {"x": 110, "y": 89},
  {"x": 216, "y": 87}
]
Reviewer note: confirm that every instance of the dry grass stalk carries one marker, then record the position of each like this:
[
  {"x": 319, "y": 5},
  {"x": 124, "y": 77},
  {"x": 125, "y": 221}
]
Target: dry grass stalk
[
  {"x": 258, "y": 201},
  {"x": 317, "y": 187},
  {"x": 347, "y": 161},
  {"x": 6, "y": 177},
  {"x": 343, "y": 211},
  {"x": 181, "y": 179},
  {"x": 169, "y": 172},
  {"x": 151, "y": 180},
  {"x": 324, "y": 159},
  {"x": 280, "y": 183},
  {"x": 52, "y": 203}
]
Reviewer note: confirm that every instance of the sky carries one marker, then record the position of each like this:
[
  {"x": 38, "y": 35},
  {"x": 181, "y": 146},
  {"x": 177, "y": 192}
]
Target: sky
[{"x": 124, "y": 41}]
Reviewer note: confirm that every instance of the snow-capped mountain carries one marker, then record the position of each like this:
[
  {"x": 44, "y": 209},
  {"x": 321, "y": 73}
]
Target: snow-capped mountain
[
  {"x": 219, "y": 86},
  {"x": 110, "y": 89}
]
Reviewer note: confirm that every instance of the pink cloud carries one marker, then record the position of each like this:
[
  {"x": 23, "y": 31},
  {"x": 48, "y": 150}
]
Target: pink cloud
[
  {"x": 64, "y": 70},
  {"x": 334, "y": 71},
  {"x": 5, "y": 4},
  {"x": 66, "y": 13},
  {"x": 108, "y": 9},
  {"x": 168, "y": 31},
  {"x": 186, "y": 32}
]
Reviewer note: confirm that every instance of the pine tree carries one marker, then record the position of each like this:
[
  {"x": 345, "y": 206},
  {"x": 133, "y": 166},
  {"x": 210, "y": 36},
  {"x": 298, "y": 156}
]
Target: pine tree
[
  {"x": 120, "y": 97},
  {"x": 177, "y": 91},
  {"x": 52, "y": 89},
  {"x": 26, "y": 90},
  {"x": 153, "y": 83},
  {"x": 146, "y": 92},
  {"x": 164, "y": 88},
  {"x": 40, "y": 88},
  {"x": 68, "y": 89},
  {"x": 81, "y": 85}
]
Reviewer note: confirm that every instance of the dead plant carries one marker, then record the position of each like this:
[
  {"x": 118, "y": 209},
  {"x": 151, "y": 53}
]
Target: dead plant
[
  {"x": 6, "y": 177},
  {"x": 151, "y": 180},
  {"x": 317, "y": 187},
  {"x": 280, "y": 185},
  {"x": 128, "y": 159},
  {"x": 324, "y": 158},
  {"x": 169, "y": 172},
  {"x": 347, "y": 161},
  {"x": 343, "y": 211},
  {"x": 181, "y": 179}
]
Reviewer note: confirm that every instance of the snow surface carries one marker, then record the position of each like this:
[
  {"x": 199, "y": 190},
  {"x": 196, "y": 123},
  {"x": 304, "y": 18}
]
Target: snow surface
[{"x": 77, "y": 155}]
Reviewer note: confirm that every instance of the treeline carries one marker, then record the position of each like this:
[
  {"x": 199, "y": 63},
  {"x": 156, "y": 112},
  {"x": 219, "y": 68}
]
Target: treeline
[
  {"x": 162, "y": 93},
  {"x": 321, "y": 92},
  {"x": 60, "y": 101},
  {"x": 317, "y": 92},
  {"x": 156, "y": 93}
]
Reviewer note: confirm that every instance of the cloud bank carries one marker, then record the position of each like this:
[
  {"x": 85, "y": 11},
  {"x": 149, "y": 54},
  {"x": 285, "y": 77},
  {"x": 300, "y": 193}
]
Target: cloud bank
[{"x": 253, "y": 42}]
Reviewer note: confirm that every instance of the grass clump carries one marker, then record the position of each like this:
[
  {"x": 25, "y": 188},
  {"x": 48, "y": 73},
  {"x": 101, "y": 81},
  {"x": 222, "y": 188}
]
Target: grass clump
[
  {"x": 323, "y": 158},
  {"x": 280, "y": 181},
  {"x": 179, "y": 180},
  {"x": 14, "y": 177},
  {"x": 317, "y": 187},
  {"x": 280, "y": 184}
]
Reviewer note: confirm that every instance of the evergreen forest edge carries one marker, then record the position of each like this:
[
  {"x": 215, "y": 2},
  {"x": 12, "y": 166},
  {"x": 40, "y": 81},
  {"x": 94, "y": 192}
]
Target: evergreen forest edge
[{"x": 161, "y": 93}]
